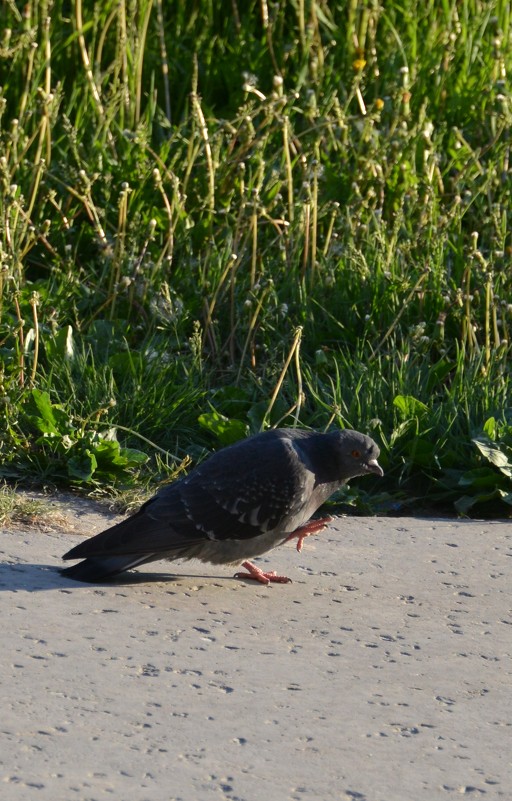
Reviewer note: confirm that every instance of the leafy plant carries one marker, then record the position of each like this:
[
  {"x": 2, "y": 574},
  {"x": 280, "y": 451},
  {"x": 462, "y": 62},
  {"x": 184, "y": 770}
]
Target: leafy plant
[
  {"x": 490, "y": 484},
  {"x": 66, "y": 447}
]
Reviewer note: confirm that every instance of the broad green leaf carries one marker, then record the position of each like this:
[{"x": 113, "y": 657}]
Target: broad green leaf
[
  {"x": 480, "y": 478},
  {"x": 228, "y": 430},
  {"x": 42, "y": 403},
  {"x": 494, "y": 455},
  {"x": 110, "y": 456},
  {"x": 409, "y": 406},
  {"x": 106, "y": 452},
  {"x": 47, "y": 417},
  {"x": 82, "y": 466},
  {"x": 490, "y": 427},
  {"x": 133, "y": 457}
]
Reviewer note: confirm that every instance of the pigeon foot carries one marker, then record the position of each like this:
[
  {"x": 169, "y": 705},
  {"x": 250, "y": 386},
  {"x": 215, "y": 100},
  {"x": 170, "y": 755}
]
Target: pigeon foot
[
  {"x": 257, "y": 574},
  {"x": 313, "y": 527}
]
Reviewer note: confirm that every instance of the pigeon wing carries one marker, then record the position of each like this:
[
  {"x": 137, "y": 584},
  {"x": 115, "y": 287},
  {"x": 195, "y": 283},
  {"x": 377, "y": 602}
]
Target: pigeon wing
[{"x": 236, "y": 494}]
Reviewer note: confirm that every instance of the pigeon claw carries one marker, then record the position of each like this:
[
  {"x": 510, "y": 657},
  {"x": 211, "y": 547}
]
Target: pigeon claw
[
  {"x": 256, "y": 574},
  {"x": 313, "y": 527}
]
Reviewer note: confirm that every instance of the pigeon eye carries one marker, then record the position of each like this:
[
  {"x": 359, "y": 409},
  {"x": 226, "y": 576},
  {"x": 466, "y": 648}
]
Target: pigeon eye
[{"x": 356, "y": 454}]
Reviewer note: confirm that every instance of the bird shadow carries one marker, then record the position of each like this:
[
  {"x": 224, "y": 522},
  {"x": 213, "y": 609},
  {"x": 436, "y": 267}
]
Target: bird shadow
[{"x": 33, "y": 577}]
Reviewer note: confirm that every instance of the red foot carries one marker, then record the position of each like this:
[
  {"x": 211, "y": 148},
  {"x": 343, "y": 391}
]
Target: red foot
[
  {"x": 313, "y": 527},
  {"x": 258, "y": 575}
]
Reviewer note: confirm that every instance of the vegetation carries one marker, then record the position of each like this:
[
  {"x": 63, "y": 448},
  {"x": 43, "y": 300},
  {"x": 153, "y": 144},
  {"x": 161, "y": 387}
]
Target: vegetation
[
  {"x": 17, "y": 509},
  {"x": 218, "y": 217}
]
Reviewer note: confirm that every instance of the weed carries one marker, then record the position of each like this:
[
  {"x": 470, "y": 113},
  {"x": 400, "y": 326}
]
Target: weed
[{"x": 214, "y": 220}]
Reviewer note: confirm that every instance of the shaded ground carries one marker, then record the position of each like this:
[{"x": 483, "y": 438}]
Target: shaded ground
[{"x": 381, "y": 674}]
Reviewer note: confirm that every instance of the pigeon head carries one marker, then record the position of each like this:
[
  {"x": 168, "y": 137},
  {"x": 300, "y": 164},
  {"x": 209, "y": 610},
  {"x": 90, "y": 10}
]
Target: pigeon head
[
  {"x": 355, "y": 454},
  {"x": 350, "y": 454}
]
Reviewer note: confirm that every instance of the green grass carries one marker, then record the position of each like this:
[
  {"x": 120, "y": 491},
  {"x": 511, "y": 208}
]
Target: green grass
[{"x": 217, "y": 218}]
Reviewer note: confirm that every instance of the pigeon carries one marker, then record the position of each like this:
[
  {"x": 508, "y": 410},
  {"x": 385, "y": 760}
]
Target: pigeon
[{"x": 238, "y": 504}]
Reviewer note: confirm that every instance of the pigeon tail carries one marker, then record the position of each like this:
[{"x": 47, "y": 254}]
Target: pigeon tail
[{"x": 96, "y": 569}]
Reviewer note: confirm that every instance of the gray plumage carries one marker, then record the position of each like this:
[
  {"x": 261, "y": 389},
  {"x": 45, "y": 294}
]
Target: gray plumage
[{"x": 241, "y": 502}]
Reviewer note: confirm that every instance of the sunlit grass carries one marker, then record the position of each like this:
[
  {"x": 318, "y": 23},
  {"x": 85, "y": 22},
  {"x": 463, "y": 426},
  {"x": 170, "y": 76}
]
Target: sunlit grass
[{"x": 291, "y": 213}]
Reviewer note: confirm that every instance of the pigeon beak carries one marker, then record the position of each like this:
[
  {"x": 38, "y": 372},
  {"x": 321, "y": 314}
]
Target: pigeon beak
[{"x": 375, "y": 467}]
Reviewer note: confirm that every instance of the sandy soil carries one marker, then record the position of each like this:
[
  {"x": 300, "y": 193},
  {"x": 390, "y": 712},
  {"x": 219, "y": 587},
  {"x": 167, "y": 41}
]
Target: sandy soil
[{"x": 383, "y": 673}]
